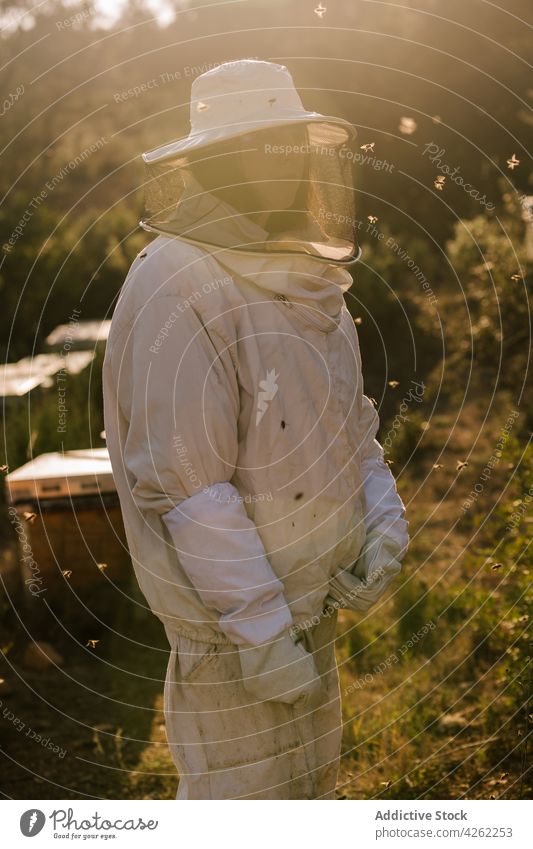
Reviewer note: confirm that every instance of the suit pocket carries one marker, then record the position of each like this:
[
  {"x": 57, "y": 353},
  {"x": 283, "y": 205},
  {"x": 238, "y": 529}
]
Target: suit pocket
[{"x": 194, "y": 657}]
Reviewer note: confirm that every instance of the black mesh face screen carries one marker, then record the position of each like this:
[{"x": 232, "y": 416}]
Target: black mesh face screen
[{"x": 286, "y": 189}]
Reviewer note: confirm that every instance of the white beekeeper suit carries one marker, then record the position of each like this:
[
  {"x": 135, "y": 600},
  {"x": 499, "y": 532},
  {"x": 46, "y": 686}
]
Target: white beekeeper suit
[{"x": 255, "y": 497}]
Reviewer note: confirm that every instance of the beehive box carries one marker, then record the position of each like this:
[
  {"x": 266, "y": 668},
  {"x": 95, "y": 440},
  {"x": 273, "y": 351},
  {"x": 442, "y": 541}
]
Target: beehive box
[{"x": 67, "y": 517}]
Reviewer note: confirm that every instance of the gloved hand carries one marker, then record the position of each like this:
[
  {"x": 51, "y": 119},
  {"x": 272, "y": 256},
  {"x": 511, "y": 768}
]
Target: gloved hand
[
  {"x": 281, "y": 671},
  {"x": 363, "y": 585}
]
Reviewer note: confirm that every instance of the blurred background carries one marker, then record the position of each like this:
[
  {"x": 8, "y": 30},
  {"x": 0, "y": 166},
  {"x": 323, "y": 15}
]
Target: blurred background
[{"x": 437, "y": 680}]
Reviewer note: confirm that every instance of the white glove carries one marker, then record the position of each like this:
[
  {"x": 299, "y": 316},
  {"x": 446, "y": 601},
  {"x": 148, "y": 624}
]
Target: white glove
[
  {"x": 281, "y": 671},
  {"x": 363, "y": 585}
]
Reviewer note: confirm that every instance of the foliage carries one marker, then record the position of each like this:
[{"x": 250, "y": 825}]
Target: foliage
[{"x": 490, "y": 259}]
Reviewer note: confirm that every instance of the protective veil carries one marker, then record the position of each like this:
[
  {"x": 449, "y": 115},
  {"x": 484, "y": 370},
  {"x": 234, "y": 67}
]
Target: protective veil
[
  {"x": 281, "y": 190},
  {"x": 257, "y": 172}
]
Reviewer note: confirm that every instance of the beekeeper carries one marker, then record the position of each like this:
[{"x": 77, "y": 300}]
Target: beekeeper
[{"x": 255, "y": 496}]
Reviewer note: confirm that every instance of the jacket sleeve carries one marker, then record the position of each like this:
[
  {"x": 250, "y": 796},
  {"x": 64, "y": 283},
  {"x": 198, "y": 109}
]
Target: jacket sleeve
[
  {"x": 180, "y": 452},
  {"x": 385, "y": 510}
]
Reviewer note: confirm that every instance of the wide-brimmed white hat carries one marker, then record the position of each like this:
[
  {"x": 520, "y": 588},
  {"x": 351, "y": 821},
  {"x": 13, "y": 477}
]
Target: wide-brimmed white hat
[{"x": 240, "y": 97}]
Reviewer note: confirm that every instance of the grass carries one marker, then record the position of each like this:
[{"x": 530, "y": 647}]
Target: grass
[{"x": 450, "y": 716}]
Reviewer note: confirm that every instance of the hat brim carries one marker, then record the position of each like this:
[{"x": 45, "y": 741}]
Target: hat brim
[{"x": 197, "y": 141}]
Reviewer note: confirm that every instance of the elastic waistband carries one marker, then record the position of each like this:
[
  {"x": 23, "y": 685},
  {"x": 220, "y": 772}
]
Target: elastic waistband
[{"x": 211, "y": 636}]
